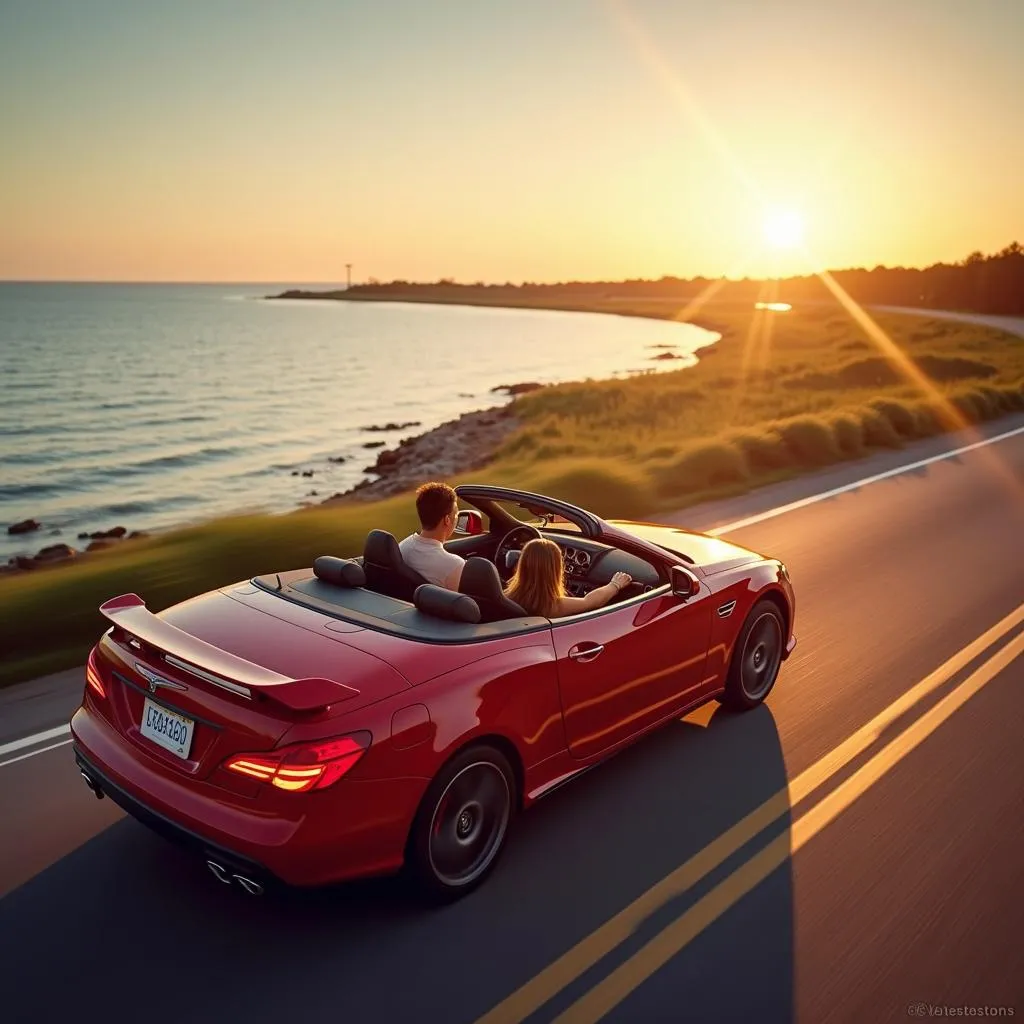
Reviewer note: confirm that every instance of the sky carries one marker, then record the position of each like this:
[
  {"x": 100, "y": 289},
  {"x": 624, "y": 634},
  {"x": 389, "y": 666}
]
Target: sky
[{"x": 528, "y": 140}]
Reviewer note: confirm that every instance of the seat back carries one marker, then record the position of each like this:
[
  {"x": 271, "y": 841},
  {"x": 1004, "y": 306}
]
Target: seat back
[
  {"x": 385, "y": 570},
  {"x": 480, "y": 580}
]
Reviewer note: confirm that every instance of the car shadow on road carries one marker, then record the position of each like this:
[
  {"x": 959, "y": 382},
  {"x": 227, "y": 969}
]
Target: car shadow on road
[{"x": 132, "y": 909}]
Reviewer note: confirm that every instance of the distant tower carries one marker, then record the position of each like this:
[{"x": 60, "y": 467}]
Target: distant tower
[{"x": 348, "y": 276}]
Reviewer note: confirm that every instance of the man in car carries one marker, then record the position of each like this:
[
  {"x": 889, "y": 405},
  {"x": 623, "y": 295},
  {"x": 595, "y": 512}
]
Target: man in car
[{"x": 437, "y": 507}]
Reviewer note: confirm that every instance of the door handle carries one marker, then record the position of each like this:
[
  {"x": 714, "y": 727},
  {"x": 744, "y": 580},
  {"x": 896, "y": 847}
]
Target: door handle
[{"x": 585, "y": 652}]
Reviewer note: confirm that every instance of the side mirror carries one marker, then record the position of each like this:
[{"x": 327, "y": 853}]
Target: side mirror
[
  {"x": 469, "y": 522},
  {"x": 684, "y": 583}
]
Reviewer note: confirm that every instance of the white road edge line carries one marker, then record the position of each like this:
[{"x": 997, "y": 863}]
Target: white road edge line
[
  {"x": 717, "y": 532},
  {"x": 908, "y": 468},
  {"x": 29, "y": 741},
  {"x": 32, "y": 753}
]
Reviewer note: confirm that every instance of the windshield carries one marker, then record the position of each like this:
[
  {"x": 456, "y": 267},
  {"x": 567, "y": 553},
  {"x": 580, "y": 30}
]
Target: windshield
[{"x": 535, "y": 517}]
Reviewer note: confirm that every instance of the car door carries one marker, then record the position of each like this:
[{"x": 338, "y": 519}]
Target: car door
[{"x": 624, "y": 668}]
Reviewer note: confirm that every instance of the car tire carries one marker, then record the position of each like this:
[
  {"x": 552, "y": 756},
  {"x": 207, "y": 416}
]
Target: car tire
[
  {"x": 756, "y": 658},
  {"x": 461, "y": 827}
]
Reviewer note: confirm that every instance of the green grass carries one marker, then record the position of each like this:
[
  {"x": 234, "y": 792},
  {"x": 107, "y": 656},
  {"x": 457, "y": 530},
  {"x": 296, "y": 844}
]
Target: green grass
[{"x": 779, "y": 395}]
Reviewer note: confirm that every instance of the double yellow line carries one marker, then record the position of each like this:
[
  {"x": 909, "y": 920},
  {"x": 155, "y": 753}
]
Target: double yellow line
[{"x": 617, "y": 985}]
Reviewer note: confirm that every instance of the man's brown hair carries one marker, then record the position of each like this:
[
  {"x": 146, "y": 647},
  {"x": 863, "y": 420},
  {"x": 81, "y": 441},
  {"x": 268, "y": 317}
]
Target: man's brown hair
[{"x": 433, "y": 502}]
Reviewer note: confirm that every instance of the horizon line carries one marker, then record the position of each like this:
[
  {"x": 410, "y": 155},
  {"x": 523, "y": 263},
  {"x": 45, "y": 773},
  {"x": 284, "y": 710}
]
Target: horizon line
[{"x": 452, "y": 283}]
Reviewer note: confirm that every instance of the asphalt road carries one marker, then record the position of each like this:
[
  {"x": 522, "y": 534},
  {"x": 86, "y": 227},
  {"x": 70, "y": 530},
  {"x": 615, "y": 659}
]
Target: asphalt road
[
  {"x": 1013, "y": 324},
  {"x": 888, "y": 880}
]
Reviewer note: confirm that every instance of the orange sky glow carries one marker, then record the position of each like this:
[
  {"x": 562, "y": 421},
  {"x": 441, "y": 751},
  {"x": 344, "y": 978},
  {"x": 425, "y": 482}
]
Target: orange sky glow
[{"x": 519, "y": 142}]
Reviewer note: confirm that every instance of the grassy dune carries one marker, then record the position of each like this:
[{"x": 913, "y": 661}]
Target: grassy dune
[{"x": 780, "y": 394}]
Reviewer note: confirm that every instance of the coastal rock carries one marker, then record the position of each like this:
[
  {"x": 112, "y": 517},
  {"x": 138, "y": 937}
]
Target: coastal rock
[
  {"x": 461, "y": 445},
  {"x": 295, "y": 472},
  {"x": 336, "y": 458},
  {"x": 667, "y": 355},
  {"x": 102, "y": 544},
  {"x": 25, "y": 526},
  {"x": 518, "y": 389},
  {"x": 308, "y": 472},
  {"x": 374, "y": 444},
  {"x": 53, "y": 553},
  {"x": 137, "y": 535},
  {"x": 116, "y": 533},
  {"x": 392, "y": 426}
]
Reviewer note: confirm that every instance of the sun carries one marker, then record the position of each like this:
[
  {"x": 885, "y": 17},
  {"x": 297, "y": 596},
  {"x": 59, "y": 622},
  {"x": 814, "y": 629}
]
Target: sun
[{"x": 783, "y": 228}]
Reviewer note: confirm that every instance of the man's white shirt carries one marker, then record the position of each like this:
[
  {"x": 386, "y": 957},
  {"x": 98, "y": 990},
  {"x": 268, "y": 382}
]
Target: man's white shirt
[{"x": 432, "y": 561}]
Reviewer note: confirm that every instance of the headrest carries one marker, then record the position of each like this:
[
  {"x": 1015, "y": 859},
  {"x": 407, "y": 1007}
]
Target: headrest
[
  {"x": 340, "y": 571},
  {"x": 445, "y": 604},
  {"x": 381, "y": 548},
  {"x": 480, "y": 579}
]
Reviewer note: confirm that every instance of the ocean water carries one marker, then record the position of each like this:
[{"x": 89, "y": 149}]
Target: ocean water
[{"x": 148, "y": 406}]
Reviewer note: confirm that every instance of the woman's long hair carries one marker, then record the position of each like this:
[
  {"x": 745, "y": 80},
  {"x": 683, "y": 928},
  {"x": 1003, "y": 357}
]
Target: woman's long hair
[{"x": 538, "y": 583}]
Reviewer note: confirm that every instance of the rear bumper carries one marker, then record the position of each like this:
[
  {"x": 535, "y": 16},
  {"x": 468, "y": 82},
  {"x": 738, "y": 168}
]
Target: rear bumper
[
  {"x": 356, "y": 829},
  {"x": 231, "y": 861}
]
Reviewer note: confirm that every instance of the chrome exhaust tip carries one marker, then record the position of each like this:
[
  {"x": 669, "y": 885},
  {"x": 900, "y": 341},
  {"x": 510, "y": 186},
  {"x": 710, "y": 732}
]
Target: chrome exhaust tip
[
  {"x": 93, "y": 787},
  {"x": 251, "y": 887},
  {"x": 220, "y": 872}
]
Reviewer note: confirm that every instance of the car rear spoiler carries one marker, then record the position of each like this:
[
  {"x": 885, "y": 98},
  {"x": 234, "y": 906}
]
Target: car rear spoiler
[{"x": 205, "y": 661}]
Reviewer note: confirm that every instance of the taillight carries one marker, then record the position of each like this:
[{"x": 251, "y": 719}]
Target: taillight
[
  {"x": 303, "y": 766},
  {"x": 92, "y": 675}
]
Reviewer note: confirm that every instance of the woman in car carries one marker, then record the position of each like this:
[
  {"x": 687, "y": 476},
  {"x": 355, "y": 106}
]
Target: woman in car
[{"x": 538, "y": 584}]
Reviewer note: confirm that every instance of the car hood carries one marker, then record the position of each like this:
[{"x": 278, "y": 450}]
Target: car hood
[{"x": 710, "y": 554}]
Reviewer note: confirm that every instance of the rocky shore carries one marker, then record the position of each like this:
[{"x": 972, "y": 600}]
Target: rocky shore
[
  {"x": 457, "y": 446},
  {"x": 60, "y": 553}
]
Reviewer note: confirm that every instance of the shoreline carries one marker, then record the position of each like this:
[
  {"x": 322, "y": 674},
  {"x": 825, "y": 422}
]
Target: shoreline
[
  {"x": 460, "y": 445},
  {"x": 659, "y": 307},
  {"x": 468, "y": 443}
]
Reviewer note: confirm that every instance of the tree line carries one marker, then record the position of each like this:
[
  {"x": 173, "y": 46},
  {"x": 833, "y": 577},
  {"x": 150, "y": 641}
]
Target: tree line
[{"x": 978, "y": 283}]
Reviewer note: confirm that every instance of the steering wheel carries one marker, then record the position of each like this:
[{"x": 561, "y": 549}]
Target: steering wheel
[{"x": 508, "y": 542}]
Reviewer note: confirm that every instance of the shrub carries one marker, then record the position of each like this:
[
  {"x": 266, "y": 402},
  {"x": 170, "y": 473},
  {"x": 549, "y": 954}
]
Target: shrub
[
  {"x": 764, "y": 452},
  {"x": 1014, "y": 395},
  {"x": 706, "y": 464},
  {"x": 929, "y": 418},
  {"x": 902, "y": 418},
  {"x": 878, "y": 429},
  {"x": 810, "y": 440},
  {"x": 849, "y": 434},
  {"x": 970, "y": 405}
]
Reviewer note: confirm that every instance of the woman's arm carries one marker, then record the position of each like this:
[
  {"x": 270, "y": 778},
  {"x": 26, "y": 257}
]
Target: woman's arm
[{"x": 596, "y": 598}]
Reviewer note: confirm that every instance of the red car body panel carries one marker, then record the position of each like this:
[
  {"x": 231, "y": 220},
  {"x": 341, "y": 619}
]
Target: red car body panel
[
  {"x": 652, "y": 664},
  {"x": 540, "y": 694}
]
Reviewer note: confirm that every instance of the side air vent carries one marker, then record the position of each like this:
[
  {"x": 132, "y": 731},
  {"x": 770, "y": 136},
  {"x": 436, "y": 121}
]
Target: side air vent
[{"x": 725, "y": 610}]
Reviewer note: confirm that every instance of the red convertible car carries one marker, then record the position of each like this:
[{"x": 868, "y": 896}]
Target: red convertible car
[{"x": 349, "y": 719}]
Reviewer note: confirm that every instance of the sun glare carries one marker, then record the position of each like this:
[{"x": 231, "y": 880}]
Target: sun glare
[{"x": 783, "y": 229}]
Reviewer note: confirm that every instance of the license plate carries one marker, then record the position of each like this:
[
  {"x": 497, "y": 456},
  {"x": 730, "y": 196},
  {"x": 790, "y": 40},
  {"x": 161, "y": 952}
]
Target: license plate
[{"x": 170, "y": 730}]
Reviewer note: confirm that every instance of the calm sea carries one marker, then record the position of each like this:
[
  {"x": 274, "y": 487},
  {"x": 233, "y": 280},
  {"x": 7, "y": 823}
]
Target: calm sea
[{"x": 152, "y": 405}]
